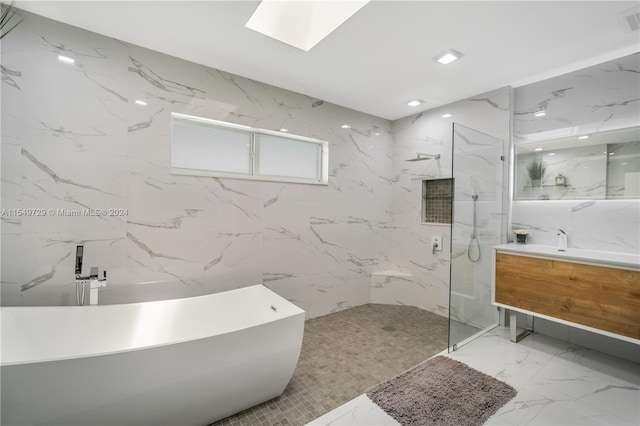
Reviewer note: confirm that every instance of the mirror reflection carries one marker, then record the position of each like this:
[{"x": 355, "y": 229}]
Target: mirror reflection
[{"x": 604, "y": 165}]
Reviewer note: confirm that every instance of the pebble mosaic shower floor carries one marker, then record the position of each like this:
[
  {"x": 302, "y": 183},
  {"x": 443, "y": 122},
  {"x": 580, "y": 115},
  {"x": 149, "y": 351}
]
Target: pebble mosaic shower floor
[{"x": 345, "y": 353}]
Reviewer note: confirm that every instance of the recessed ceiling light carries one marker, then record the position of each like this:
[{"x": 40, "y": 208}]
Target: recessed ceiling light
[
  {"x": 66, "y": 59},
  {"x": 445, "y": 115},
  {"x": 345, "y": 126},
  {"x": 540, "y": 113},
  {"x": 612, "y": 153},
  {"x": 284, "y": 130},
  {"x": 552, "y": 153},
  {"x": 538, "y": 149},
  {"x": 302, "y": 24},
  {"x": 139, "y": 102},
  {"x": 583, "y": 137},
  {"x": 448, "y": 57},
  {"x": 415, "y": 102}
]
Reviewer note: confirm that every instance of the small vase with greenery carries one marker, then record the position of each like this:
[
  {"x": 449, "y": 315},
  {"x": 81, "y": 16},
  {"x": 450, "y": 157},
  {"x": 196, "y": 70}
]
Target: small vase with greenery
[
  {"x": 521, "y": 236},
  {"x": 536, "y": 170}
]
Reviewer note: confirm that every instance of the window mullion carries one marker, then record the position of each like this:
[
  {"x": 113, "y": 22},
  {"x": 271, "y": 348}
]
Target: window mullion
[{"x": 254, "y": 153}]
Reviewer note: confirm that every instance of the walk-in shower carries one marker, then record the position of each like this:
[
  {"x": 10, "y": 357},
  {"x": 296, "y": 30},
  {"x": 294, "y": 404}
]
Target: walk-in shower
[
  {"x": 420, "y": 156},
  {"x": 476, "y": 226},
  {"x": 473, "y": 251}
]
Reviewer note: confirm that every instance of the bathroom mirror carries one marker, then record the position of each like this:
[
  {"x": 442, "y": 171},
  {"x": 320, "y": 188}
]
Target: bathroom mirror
[{"x": 603, "y": 165}]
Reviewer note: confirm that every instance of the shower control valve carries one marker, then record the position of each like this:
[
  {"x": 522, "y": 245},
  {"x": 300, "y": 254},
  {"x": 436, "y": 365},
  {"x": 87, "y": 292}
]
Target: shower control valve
[{"x": 436, "y": 243}]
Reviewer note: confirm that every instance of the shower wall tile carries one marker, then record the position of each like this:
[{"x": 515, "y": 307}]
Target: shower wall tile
[
  {"x": 393, "y": 290},
  {"x": 598, "y": 98},
  {"x": 74, "y": 139}
]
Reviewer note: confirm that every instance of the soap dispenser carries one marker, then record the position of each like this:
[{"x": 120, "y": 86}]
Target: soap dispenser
[{"x": 562, "y": 240}]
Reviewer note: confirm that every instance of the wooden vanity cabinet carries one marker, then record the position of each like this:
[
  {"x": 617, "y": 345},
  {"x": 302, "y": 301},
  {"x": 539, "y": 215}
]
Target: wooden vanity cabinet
[{"x": 595, "y": 296}]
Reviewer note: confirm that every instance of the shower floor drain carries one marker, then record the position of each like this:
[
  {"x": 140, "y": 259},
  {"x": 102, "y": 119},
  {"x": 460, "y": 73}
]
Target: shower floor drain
[{"x": 389, "y": 328}]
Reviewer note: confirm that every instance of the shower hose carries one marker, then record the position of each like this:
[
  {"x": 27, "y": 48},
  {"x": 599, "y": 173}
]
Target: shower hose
[{"x": 473, "y": 251}]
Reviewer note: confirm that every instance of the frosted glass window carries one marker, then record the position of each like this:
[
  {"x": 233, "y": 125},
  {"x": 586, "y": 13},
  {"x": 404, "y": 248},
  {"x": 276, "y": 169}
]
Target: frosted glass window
[
  {"x": 205, "y": 147},
  {"x": 197, "y": 146},
  {"x": 279, "y": 156}
]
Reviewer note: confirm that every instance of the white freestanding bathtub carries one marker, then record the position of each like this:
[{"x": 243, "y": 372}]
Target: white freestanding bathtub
[{"x": 175, "y": 362}]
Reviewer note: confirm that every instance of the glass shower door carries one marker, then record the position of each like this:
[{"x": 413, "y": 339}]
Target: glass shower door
[{"x": 476, "y": 226}]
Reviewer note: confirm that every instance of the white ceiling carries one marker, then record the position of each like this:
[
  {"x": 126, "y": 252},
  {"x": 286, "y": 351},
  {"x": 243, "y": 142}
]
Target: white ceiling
[{"x": 382, "y": 57}]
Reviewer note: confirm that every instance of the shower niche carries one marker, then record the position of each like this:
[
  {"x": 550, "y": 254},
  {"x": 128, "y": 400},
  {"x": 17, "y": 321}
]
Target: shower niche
[{"x": 437, "y": 196}]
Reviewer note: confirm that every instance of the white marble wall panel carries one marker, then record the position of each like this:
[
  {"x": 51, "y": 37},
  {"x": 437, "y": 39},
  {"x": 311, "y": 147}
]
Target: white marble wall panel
[
  {"x": 598, "y": 98},
  {"x": 75, "y": 138},
  {"x": 609, "y": 225}
]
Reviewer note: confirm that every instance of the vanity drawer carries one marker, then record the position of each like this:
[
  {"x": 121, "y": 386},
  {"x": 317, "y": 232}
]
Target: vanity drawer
[{"x": 595, "y": 296}]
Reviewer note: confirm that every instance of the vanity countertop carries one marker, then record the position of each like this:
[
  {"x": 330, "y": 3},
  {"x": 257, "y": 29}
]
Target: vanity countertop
[{"x": 605, "y": 258}]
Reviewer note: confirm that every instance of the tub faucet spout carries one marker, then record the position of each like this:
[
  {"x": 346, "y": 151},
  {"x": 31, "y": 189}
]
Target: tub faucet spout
[
  {"x": 92, "y": 279},
  {"x": 94, "y": 284}
]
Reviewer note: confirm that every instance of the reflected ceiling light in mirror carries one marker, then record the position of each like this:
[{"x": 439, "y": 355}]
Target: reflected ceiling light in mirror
[
  {"x": 345, "y": 126},
  {"x": 284, "y": 130},
  {"x": 447, "y": 57},
  {"x": 552, "y": 153},
  {"x": 301, "y": 24},
  {"x": 538, "y": 149},
  {"x": 583, "y": 137},
  {"x": 540, "y": 113},
  {"x": 66, "y": 59},
  {"x": 446, "y": 115},
  {"x": 415, "y": 102}
]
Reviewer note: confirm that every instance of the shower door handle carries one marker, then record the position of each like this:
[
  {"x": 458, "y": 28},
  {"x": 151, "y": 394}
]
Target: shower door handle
[{"x": 434, "y": 247}]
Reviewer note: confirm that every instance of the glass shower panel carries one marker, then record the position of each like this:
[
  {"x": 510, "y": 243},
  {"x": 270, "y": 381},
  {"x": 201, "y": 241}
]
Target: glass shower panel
[{"x": 476, "y": 226}]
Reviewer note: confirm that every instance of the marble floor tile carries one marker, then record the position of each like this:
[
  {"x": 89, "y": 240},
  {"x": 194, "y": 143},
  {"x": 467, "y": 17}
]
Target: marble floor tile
[{"x": 558, "y": 383}]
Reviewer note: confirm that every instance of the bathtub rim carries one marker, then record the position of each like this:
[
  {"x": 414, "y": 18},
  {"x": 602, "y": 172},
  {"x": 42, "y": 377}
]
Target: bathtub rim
[{"x": 296, "y": 311}]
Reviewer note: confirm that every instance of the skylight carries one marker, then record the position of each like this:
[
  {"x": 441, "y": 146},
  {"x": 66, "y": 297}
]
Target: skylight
[{"x": 301, "y": 24}]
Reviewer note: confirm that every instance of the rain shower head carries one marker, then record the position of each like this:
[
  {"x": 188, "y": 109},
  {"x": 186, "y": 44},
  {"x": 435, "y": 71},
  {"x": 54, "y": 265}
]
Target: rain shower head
[{"x": 422, "y": 157}]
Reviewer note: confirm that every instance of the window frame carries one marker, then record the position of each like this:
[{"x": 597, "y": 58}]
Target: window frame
[{"x": 322, "y": 158}]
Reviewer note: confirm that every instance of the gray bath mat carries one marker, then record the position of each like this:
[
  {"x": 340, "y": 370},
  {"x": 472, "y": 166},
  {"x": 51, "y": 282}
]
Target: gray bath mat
[{"x": 441, "y": 391}]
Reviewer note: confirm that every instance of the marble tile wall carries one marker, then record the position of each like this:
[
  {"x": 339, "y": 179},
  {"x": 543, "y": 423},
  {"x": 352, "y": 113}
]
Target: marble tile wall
[
  {"x": 74, "y": 139},
  {"x": 598, "y": 98},
  {"x": 429, "y": 132}
]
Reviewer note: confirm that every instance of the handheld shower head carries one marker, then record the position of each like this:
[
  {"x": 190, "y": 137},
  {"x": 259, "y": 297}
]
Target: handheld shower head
[{"x": 422, "y": 157}]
